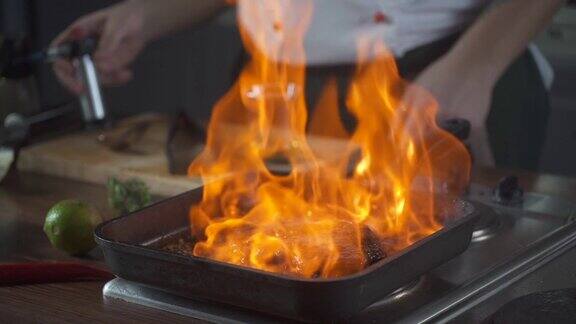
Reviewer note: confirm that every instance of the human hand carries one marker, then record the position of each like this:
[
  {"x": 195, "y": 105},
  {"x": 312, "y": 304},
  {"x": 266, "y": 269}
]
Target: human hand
[
  {"x": 461, "y": 92},
  {"x": 122, "y": 37}
]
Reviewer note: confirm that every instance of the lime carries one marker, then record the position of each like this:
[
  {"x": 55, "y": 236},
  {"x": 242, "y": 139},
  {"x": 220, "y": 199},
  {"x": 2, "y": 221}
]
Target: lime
[{"x": 70, "y": 226}]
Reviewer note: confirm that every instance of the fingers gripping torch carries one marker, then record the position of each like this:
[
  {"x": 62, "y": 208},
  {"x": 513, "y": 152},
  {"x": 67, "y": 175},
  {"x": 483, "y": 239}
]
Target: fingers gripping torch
[{"x": 80, "y": 53}]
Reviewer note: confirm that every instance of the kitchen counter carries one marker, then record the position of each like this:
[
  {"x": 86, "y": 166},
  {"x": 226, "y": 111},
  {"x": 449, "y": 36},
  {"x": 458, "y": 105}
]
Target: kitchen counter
[{"x": 24, "y": 200}]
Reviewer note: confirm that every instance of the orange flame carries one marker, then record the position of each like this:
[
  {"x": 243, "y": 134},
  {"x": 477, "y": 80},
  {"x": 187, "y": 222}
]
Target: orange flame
[{"x": 346, "y": 199}]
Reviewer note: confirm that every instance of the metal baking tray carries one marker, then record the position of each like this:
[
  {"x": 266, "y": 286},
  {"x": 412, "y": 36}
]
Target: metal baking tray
[{"x": 130, "y": 248}]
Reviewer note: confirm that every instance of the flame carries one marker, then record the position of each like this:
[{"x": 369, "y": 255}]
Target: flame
[{"x": 347, "y": 200}]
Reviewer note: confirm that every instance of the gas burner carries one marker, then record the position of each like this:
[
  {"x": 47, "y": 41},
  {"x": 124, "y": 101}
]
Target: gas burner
[
  {"x": 488, "y": 223},
  {"x": 404, "y": 292}
]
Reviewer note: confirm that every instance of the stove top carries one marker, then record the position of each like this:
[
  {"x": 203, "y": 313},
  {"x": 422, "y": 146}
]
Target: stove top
[{"x": 513, "y": 239}]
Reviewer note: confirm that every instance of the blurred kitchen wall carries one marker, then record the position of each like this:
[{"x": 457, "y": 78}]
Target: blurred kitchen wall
[
  {"x": 192, "y": 69},
  {"x": 189, "y": 70},
  {"x": 558, "y": 43}
]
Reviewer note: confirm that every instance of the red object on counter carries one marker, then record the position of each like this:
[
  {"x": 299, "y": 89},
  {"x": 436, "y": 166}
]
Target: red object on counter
[{"x": 49, "y": 272}]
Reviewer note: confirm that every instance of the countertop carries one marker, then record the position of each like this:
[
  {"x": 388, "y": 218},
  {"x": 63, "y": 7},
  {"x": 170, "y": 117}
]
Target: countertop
[{"x": 24, "y": 200}]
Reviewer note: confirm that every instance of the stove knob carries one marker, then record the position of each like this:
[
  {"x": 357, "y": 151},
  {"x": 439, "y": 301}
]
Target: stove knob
[{"x": 508, "y": 192}]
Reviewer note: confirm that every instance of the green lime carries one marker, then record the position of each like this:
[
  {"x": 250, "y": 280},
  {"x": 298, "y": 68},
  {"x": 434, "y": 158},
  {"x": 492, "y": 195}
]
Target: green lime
[{"x": 70, "y": 226}]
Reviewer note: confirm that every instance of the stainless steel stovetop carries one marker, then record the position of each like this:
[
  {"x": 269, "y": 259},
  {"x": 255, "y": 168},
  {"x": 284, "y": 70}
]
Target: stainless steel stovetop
[{"x": 517, "y": 249}]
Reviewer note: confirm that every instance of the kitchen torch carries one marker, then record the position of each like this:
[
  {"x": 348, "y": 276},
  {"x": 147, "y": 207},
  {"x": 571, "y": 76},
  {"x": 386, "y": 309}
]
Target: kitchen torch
[{"x": 80, "y": 53}]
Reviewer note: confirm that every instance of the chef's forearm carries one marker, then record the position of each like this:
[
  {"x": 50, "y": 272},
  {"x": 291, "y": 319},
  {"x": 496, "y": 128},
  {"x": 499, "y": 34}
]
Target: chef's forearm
[
  {"x": 501, "y": 34},
  {"x": 166, "y": 16}
]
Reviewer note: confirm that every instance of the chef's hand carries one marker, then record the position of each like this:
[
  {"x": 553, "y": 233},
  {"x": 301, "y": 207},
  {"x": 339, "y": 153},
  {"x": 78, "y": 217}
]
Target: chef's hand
[
  {"x": 122, "y": 37},
  {"x": 462, "y": 80},
  {"x": 461, "y": 92}
]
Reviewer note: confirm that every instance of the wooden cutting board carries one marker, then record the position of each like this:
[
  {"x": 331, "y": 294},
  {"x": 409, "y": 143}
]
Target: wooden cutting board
[{"x": 81, "y": 157}]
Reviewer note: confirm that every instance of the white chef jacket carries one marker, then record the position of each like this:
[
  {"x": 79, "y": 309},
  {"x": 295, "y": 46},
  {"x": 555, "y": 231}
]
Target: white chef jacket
[{"x": 336, "y": 26}]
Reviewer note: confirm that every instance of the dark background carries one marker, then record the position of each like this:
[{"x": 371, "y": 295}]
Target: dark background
[{"x": 191, "y": 70}]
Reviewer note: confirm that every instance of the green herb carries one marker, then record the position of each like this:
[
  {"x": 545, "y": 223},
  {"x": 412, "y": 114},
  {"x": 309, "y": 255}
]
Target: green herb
[{"x": 128, "y": 196}]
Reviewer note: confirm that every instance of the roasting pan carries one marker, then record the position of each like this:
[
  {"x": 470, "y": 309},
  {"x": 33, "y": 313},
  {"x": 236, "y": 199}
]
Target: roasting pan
[{"x": 130, "y": 248}]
